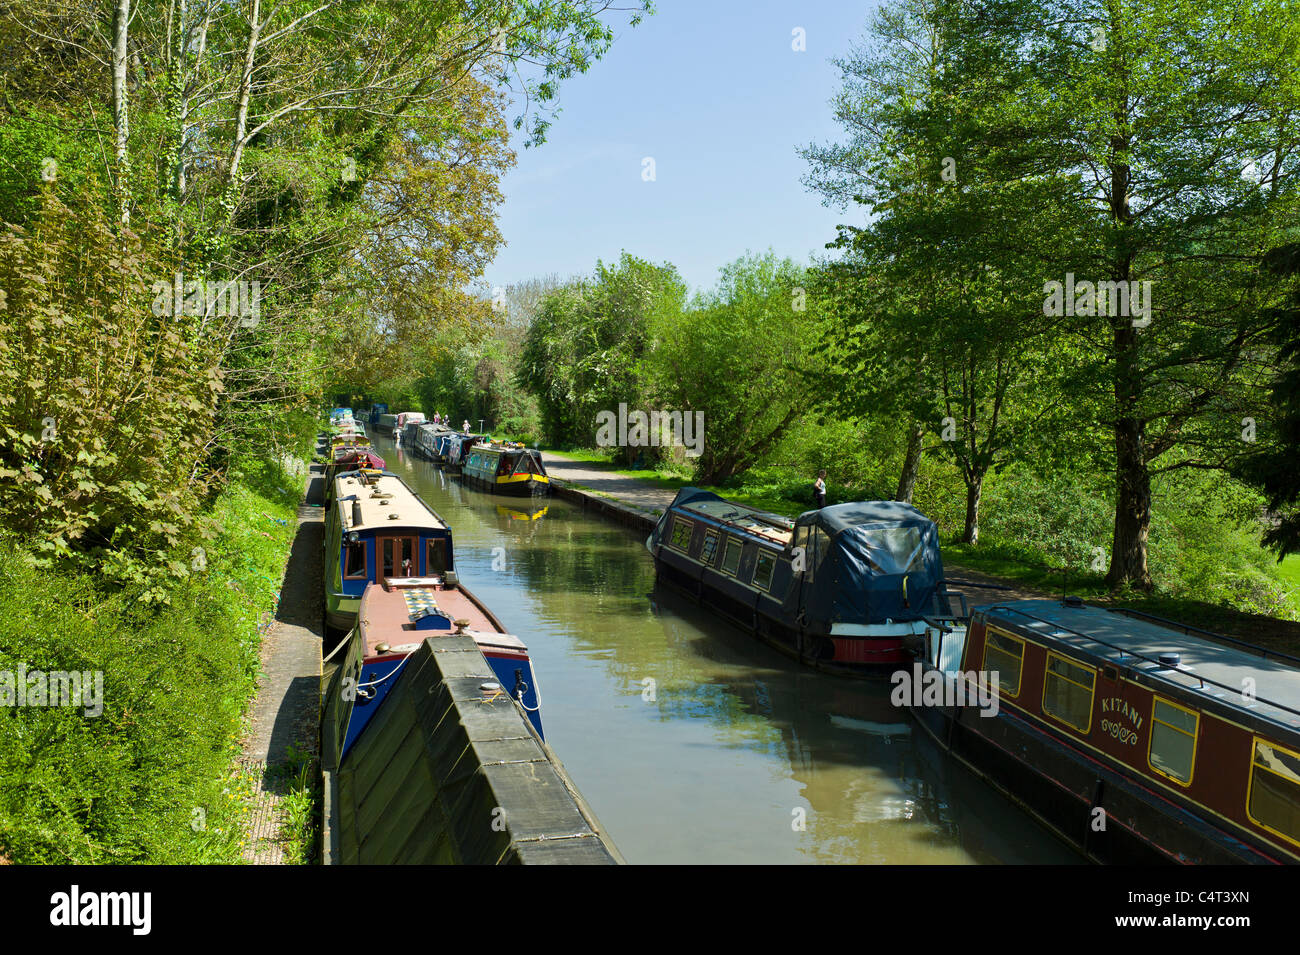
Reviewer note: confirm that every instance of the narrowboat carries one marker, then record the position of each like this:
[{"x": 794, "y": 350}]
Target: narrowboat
[
  {"x": 396, "y": 616},
  {"x": 386, "y": 423},
  {"x": 377, "y": 528},
  {"x": 431, "y": 742},
  {"x": 1135, "y": 739},
  {"x": 404, "y": 426},
  {"x": 838, "y": 589},
  {"x": 423, "y": 439},
  {"x": 452, "y": 448},
  {"x": 506, "y": 468}
]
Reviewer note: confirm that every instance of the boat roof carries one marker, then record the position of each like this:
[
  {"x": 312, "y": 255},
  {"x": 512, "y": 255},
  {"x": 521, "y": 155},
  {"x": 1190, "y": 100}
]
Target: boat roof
[
  {"x": 387, "y": 615},
  {"x": 1206, "y": 668},
  {"x": 773, "y": 527},
  {"x": 385, "y": 501},
  {"x": 503, "y": 448}
]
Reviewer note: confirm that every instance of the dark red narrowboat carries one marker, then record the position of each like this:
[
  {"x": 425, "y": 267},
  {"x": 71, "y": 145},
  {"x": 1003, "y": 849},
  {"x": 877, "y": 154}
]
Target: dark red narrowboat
[{"x": 1136, "y": 739}]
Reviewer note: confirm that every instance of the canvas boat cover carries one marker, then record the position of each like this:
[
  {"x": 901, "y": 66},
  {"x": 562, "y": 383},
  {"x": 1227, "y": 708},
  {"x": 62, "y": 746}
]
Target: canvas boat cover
[
  {"x": 859, "y": 554},
  {"x": 868, "y": 549}
]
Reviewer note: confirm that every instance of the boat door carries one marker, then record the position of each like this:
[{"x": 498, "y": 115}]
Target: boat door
[{"x": 398, "y": 557}]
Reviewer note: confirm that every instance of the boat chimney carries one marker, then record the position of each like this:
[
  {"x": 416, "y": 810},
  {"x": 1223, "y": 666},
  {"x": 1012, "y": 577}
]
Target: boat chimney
[{"x": 356, "y": 513}]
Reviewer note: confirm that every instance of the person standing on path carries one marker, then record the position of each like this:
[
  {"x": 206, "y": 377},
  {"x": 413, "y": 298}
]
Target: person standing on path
[{"x": 819, "y": 488}]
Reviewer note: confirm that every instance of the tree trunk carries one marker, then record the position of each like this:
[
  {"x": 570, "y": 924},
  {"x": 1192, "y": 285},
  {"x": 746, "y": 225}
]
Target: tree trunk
[
  {"x": 974, "y": 491},
  {"x": 911, "y": 465},
  {"x": 121, "y": 126},
  {"x": 244, "y": 96},
  {"x": 1128, "y": 549}
]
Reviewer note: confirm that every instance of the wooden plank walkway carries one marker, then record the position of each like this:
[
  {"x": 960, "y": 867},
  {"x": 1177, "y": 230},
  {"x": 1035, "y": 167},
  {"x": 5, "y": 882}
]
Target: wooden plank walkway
[{"x": 284, "y": 719}]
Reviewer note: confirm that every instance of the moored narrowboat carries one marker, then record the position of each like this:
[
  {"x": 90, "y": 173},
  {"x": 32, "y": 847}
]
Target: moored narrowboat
[
  {"x": 376, "y": 529},
  {"x": 839, "y": 588},
  {"x": 1135, "y": 739},
  {"x": 395, "y": 617},
  {"x": 506, "y": 468}
]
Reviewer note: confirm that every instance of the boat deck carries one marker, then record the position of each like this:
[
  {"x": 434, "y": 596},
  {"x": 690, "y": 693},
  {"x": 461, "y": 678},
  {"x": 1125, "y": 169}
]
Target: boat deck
[{"x": 385, "y": 616}]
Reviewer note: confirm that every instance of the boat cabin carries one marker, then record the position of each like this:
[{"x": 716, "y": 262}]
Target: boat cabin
[
  {"x": 506, "y": 468},
  {"x": 1189, "y": 741},
  {"x": 377, "y": 528}
]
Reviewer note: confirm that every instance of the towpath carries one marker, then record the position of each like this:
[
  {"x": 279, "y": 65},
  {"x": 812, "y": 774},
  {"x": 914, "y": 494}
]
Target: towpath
[{"x": 283, "y": 736}]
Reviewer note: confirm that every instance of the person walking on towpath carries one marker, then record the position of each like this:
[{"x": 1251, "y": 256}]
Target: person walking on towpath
[
  {"x": 465, "y": 426},
  {"x": 819, "y": 488}
]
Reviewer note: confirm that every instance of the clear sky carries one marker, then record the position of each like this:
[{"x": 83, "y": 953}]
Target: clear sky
[{"x": 713, "y": 92}]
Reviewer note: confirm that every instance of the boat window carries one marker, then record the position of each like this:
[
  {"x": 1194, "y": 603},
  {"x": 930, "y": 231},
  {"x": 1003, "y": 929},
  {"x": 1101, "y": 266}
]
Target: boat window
[
  {"x": 763, "y": 568},
  {"x": 731, "y": 556},
  {"x": 354, "y": 560},
  {"x": 682, "y": 531},
  {"x": 1067, "y": 692},
  {"x": 1274, "y": 796},
  {"x": 710, "y": 547},
  {"x": 895, "y": 550},
  {"x": 435, "y": 557},
  {"x": 1172, "y": 749},
  {"x": 1005, "y": 656}
]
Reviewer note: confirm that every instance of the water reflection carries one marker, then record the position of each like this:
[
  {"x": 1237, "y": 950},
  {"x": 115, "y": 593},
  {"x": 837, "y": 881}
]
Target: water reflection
[{"x": 695, "y": 743}]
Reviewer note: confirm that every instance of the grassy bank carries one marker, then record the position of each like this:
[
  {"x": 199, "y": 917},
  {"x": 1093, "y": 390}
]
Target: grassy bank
[{"x": 148, "y": 779}]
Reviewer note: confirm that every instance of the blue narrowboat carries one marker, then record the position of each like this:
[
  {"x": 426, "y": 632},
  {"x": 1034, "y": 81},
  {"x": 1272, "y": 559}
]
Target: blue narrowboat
[
  {"x": 397, "y": 616},
  {"x": 839, "y": 588},
  {"x": 377, "y": 528}
]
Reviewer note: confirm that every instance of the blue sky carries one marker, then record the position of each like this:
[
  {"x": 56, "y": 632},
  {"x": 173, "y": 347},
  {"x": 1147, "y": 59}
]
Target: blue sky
[{"x": 713, "y": 92}]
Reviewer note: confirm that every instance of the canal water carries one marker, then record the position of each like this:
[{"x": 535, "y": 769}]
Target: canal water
[{"x": 693, "y": 742}]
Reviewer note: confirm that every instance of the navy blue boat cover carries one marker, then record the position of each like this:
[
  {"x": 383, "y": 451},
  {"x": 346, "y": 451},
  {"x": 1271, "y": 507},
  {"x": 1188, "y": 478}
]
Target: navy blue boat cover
[{"x": 860, "y": 576}]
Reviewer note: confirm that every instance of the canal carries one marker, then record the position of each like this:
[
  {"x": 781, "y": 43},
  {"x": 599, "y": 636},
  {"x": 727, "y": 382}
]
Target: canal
[{"x": 693, "y": 742}]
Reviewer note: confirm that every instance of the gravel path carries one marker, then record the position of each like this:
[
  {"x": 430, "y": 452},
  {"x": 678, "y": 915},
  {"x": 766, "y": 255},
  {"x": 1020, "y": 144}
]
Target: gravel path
[{"x": 628, "y": 490}]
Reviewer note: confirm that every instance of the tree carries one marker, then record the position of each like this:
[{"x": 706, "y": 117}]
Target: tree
[
  {"x": 583, "y": 352},
  {"x": 739, "y": 357}
]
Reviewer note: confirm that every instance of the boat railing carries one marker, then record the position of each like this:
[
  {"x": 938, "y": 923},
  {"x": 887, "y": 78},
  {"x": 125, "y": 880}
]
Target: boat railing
[
  {"x": 1125, "y": 652},
  {"x": 1189, "y": 630}
]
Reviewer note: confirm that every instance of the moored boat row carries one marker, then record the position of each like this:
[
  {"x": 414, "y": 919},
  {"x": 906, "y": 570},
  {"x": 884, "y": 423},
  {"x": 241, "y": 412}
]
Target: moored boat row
[{"x": 391, "y": 585}]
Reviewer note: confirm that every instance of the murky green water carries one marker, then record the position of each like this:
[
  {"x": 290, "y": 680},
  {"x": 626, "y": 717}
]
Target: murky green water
[{"x": 733, "y": 753}]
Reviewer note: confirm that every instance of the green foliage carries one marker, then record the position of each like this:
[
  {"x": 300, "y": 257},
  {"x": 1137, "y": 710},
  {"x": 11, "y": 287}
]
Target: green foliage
[
  {"x": 146, "y": 781},
  {"x": 583, "y": 351}
]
